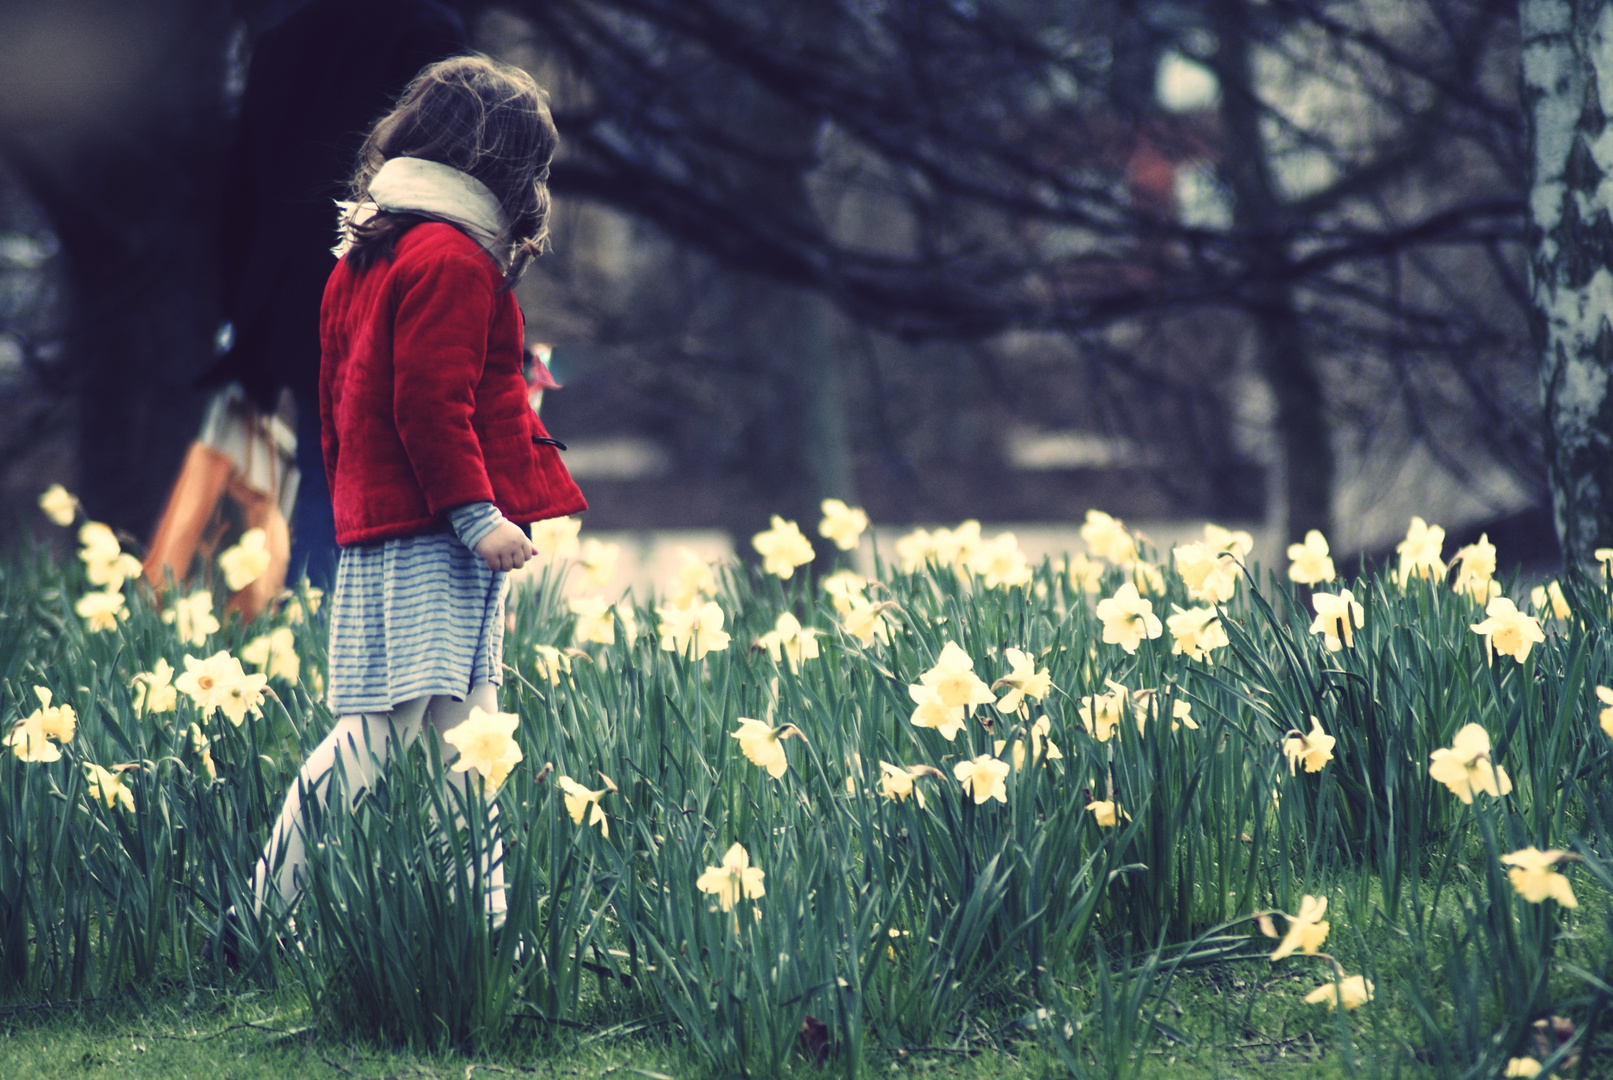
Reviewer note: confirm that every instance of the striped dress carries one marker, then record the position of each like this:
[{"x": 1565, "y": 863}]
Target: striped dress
[{"x": 416, "y": 615}]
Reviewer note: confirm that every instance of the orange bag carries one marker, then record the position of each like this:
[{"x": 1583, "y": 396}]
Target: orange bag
[{"x": 239, "y": 474}]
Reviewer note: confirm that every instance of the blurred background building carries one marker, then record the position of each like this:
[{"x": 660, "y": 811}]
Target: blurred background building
[{"x": 1248, "y": 262}]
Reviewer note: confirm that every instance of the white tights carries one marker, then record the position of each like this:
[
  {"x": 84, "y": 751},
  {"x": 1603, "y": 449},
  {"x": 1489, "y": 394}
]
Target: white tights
[{"x": 363, "y": 743}]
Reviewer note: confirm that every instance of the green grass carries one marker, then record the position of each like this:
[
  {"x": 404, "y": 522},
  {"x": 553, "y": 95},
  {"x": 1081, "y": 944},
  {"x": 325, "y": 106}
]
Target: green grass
[{"x": 1017, "y": 935}]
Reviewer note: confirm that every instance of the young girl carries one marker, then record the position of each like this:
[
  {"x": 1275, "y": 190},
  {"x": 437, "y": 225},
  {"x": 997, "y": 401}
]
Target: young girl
[{"x": 436, "y": 462}]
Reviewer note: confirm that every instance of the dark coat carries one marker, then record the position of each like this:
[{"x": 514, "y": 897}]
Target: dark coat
[
  {"x": 422, "y": 403},
  {"x": 317, "y": 81}
]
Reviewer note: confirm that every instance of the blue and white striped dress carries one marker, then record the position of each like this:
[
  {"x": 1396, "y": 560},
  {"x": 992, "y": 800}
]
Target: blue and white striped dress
[{"x": 416, "y": 615}]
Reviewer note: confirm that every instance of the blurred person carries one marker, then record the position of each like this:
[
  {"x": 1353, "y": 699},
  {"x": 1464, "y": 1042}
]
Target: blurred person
[
  {"x": 435, "y": 458},
  {"x": 322, "y": 71}
]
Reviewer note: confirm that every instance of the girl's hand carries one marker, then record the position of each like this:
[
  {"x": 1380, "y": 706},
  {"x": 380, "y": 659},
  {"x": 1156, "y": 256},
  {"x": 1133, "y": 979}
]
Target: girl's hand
[{"x": 506, "y": 547}]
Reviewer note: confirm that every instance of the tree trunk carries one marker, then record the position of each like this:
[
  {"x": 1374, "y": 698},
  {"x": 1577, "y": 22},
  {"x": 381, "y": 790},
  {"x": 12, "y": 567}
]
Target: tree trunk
[
  {"x": 1260, "y": 219},
  {"x": 1567, "y": 57}
]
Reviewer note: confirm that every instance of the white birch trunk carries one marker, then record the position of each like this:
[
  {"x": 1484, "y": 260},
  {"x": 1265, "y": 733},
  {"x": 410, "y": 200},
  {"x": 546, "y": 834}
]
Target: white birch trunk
[{"x": 1567, "y": 62}]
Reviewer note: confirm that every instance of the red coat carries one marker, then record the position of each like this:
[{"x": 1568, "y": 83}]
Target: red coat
[{"x": 421, "y": 401}]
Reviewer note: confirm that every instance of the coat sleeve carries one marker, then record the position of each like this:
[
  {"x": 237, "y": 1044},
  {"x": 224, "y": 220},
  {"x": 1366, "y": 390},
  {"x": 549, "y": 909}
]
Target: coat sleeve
[{"x": 444, "y": 308}]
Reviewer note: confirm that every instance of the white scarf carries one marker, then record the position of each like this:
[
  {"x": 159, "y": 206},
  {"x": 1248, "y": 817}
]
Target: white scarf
[{"x": 415, "y": 185}]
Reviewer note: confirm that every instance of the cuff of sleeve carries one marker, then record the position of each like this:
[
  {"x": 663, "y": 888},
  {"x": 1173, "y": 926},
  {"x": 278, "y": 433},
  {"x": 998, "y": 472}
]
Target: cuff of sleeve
[{"x": 473, "y": 521}]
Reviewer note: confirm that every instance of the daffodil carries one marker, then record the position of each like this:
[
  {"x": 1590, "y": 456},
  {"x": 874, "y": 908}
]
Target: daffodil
[
  {"x": 1521, "y": 1066},
  {"x": 898, "y": 782},
  {"x": 1310, "y": 563},
  {"x": 192, "y": 618},
  {"x": 693, "y": 631},
  {"x": 1106, "y": 813},
  {"x": 933, "y": 712},
  {"x": 1182, "y": 715},
  {"x": 1085, "y": 573},
  {"x": 1209, "y": 576},
  {"x": 580, "y": 800},
  {"x": 295, "y": 611},
  {"x": 59, "y": 505},
  {"x": 246, "y": 561},
  {"x": 1197, "y": 632},
  {"x": 1306, "y": 931},
  {"x": 1604, "y": 694},
  {"x": 1000, "y": 563},
  {"x": 983, "y": 778},
  {"x": 782, "y": 548},
  {"x": 1604, "y": 559},
  {"x": 1023, "y": 681},
  {"x": 551, "y": 663},
  {"x": 1147, "y": 577},
  {"x": 1043, "y": 748},
  {"x": 1351, "y": 992},
  {"x": 1334, "y": 618},
  {"x": 845, "y": 588},
  {"x": 866, "y": 621},
  {"x": 1550, "y": 594},
  {"x": 1128, "y": 618},
  {"x": 556, "y": 538},
  {"x": 790, "y": 641},
  {"x": 598, "y": 561},
  {"x": 154, "y": 690},
  {"x": 1509, "y": 631},
  {"x": 486, "y": 743},
  {"x": 1420, "y": 552},
  {"x": 203, "y": 747},
  {"x": 107, "y": 786},
  {"x": 275, "y": 653},
  {"x": 1534, "y": 876},
  {"x": 1476, "y": 574},
  {"x": 627, "y": 616},
  {"x": 842, "y": 524},
  {"x": 101, "y": 610},
  {"x": 956, "y": 547},
  {"x": 1313, "y": 750},
  {"x": 693, "y": 579},
  {"x": 763, "y": 745},
  {"x": 1466, "y": 766},
  {"x": 733, "y": 879},
  {"x": 914, "y": 550},
  {"x": 1235, "y": 542},
  {"x": 955, "y": 681},
  {"x": 1107, "y": 538},
  {"x": 35, "y": 737},
  {"x": 594, "y": 620},
  {"x": 219, "y": 682},
  {"x": 1102, "y": 713},
  {"x": 105, "y": 562}
]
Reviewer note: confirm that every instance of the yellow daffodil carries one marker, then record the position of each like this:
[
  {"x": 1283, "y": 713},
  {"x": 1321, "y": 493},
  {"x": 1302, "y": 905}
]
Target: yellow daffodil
[
  {"x": 782, "y": 548},
  {"x": 1023, "y": 681},
  {"x": 1466, "y": 766},
  {"x": 734, "y": 879},
  {"x": 955, "y": 681},
  {"x": 866, "y": 621},
  {"x": 35, "y": 737},
  {"x": 246, "y": 561},
  {"x": 693, "y": 631},
  {"x": 1102, "y": 713},
  {"x": 551, "y": 663},
  {"x": 933, "y": 712},
  {"x": 1182, "y": 715},
  {"x": 1509, "y": 631},
  {"x": 556, "y": 538},
  {"x": 1235, "y": 542},
  {"x": 594, "y": 620},
  {"x": 1313, "y": 750},
  {"x": 275, "y": 653},
  {"x": 1107, "y": 538},
  {"x": 1128, "y": 618},
  {"x": 598, "y": 561},
  {"x": 579, "y": 801},
  {"x": 845, "y": 588},
  {"x": 1533, "y": 875},
  {"x": 219, "y": 682},
  {"x": 790, "y": 641},
  {"x": 983, "y": 778},
  {"x": 154, "y": 690},
  {"x": 1334, "y": 616},
  {"x": 914, "y": 550},
  {"x": 1310, "y": 563},
  {"x": 1420, "y": 552},
  {"x": 763, "y": 745},
  {"x": 1604, "y": 559},
  {"x": 1209, "y": 576},
  {"x": 842, "y": 524},
  {"x": 1351, "y": 992},
  {"x": 1043, "y": 748},
  {"x": 486, "y": 743},
  {"x": 295, "y": 611},
  {"x": 897, "y": 782},
  {"x": 59, "y": 505},
  {"x": 1000, "y": 563},
  {"x": 1475, "y": 577},
  {"x": 1306, "y": 931},
  {"x": 1085, "y": 574},
  {"x": 101, "y": 610},
  {"x": 1147, "y": 577},
  {"x": 203, "y": 747},
  {"x": 108, "y": 786},
  {"x": 1106, "y": 813},
  {"x": 693, "y": 579},
  {"x": 192, "y": 618},
  {"x": 1604, "y": 694},
  {"x": 627, "y": 616},
  {"x": 956, "y": 547},
  {"x": 105, "y": 562},
  {"x": 1197, "y": 632},
  {"x": 1550, "y": 594},
  {"x": 1522, "y": 1066}
]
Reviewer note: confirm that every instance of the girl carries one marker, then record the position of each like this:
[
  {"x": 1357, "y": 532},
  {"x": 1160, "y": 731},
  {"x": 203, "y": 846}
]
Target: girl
[{"x": 435, "y": 460}]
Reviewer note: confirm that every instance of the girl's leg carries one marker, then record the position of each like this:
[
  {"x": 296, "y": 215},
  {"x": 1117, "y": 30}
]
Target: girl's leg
[
  {"x": 442, "y": 714},
  {"x": 361, "y": 743}
]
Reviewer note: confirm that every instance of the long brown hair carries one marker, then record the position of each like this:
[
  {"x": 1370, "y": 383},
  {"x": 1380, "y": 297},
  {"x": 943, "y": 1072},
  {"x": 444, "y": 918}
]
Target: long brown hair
[{"x": 479, "y": 116}]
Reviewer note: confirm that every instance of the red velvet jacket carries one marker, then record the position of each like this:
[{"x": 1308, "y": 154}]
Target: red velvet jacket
[{"x": 421, "y": 401}]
